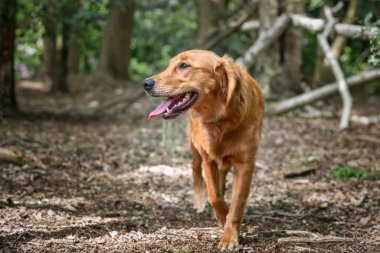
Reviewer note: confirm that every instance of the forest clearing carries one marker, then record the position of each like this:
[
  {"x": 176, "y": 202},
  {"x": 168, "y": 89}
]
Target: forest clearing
[
  {"x": 82, "y": 169},
  {"x": 95, "y": 185}
]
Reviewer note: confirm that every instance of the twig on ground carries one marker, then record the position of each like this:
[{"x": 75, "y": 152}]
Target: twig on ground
[
  {"x": 303, "y": 249},
  {"x": 298, "y": 233},
  {"x": 298, "y": 172},
  {"x": 366, "y": 138},
  {"x": 308, "y": 237}
]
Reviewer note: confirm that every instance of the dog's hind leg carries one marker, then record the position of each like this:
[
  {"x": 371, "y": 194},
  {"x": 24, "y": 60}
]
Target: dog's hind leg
[{"x": 200, "y": 197}]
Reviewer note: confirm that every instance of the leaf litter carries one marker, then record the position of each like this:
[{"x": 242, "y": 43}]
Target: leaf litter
[{"x": 111, "y": 185}]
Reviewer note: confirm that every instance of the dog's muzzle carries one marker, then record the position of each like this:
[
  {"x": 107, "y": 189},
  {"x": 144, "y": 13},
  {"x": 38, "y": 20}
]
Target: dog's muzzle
[{"x": 148, "y": 84}]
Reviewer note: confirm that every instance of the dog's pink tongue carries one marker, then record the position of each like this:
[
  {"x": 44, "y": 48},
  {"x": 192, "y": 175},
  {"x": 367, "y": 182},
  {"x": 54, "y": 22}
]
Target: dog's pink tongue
[{"x": 161, "y": 109}]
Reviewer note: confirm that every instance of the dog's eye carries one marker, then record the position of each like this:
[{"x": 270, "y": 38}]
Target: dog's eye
[{"x": 183, "y": 65}]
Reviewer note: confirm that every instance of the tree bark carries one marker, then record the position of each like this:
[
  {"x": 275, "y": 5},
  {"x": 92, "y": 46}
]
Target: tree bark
[
  {"x": 73, "y": 47},
  {"x": 60, "y": 83},
  {"x": 73, "y": 57},
  {"x": 8, "y": 105},
  {"x": 48, "y": 64},
  {"x": 204, "y": 20},
  {"x": 266, "y": 68},
  {"x": 287, "y": 82},
  {"x": 116, "y": 52}
]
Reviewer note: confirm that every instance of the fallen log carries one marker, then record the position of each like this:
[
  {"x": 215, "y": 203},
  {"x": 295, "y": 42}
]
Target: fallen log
[{"x": 307, "y": 98}]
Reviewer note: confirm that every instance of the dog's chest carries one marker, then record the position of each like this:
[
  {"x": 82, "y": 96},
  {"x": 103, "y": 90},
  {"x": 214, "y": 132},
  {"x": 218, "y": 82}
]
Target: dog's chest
[{"x": 209, "y": 144}]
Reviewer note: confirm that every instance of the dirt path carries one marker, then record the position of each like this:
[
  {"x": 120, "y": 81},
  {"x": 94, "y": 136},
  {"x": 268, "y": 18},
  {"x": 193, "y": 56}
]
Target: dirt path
[{"x": 119, "y": 186}]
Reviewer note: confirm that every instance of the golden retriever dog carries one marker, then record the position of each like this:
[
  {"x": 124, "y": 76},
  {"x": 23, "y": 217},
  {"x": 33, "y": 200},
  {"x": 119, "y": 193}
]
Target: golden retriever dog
[{"x": 225, "y": 107}]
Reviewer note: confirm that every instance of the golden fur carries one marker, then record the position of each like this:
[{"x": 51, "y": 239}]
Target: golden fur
[{"x": 225, "y": 124}]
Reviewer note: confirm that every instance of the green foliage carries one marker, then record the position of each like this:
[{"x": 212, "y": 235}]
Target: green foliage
[
  {"x": 286, "y": 206},
  {"x": 164, "y": 28},
  {"x": 159, "y": 33},
  {"x": 347, "y": 172},
  {"x": 309, "y": 53},
  {"x": 313, "y": 4},
  {"x": 374, "y": 58},
  {"x": 373, "y": 88},
  {"x": 28, "y": 37},
  {"x": 88, "y": 20},
  {"x": 325, "y": 229}
]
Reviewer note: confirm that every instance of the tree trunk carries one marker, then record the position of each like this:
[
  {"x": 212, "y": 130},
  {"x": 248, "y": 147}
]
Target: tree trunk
[
  {"x": 68, "y": 10},
  {"x": 287, "y": 82},
  {"x": 266, "y": 67},
  {"x": 204, "y": 20},
  {"x": 60, "y": 82},
  {"x": 47, "y": 68},
  {"x": 73, "y": 57},
  {"x": 116, "y": 52},
  {"x": 8, "y": 105},
  {"x": 73, "y": 51}
]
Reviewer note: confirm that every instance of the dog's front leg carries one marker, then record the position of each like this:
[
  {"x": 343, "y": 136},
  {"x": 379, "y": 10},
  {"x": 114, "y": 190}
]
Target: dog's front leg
[
  {"x": 240, "y": 192},
  {"x": 215, "y": 196},
  {"x": 199, "y": 198}
]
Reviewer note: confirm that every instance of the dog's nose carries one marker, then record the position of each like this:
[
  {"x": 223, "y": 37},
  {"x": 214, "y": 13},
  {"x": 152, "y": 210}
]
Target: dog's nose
[{"x": 148, "y": 83}]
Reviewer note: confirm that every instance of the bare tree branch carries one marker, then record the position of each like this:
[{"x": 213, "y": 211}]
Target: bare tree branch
[
  {"x": 356, "y": 31},
  {"x": 307, "y": 98},
  {"x": 264, "y": 40},
  {"x": 336, "y": 69},
  {"x": 233, "y": 28},
  {"x": 338, "y": 44},
  {"x": 312, "y": 24},
  {"x": 316, "y": 25},
  {"x": 250, "y": 25}
]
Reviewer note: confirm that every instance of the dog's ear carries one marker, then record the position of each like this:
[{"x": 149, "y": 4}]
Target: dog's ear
[{"x": 226, "y": 75}]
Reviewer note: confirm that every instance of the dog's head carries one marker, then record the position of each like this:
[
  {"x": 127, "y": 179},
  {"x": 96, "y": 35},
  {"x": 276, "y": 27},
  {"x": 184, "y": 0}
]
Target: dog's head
[{"x": 198, "y": 80}]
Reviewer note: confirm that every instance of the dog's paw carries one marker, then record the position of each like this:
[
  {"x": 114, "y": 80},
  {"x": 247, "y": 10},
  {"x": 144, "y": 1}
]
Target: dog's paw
[
  {"x": 229, "y": 241},
  {"x": 221, "y": 222},
  {"x": 200, "y": 200}
]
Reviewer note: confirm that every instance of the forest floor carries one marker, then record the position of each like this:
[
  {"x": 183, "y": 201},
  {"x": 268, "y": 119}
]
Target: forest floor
[{"x": 123, "y": 184}]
